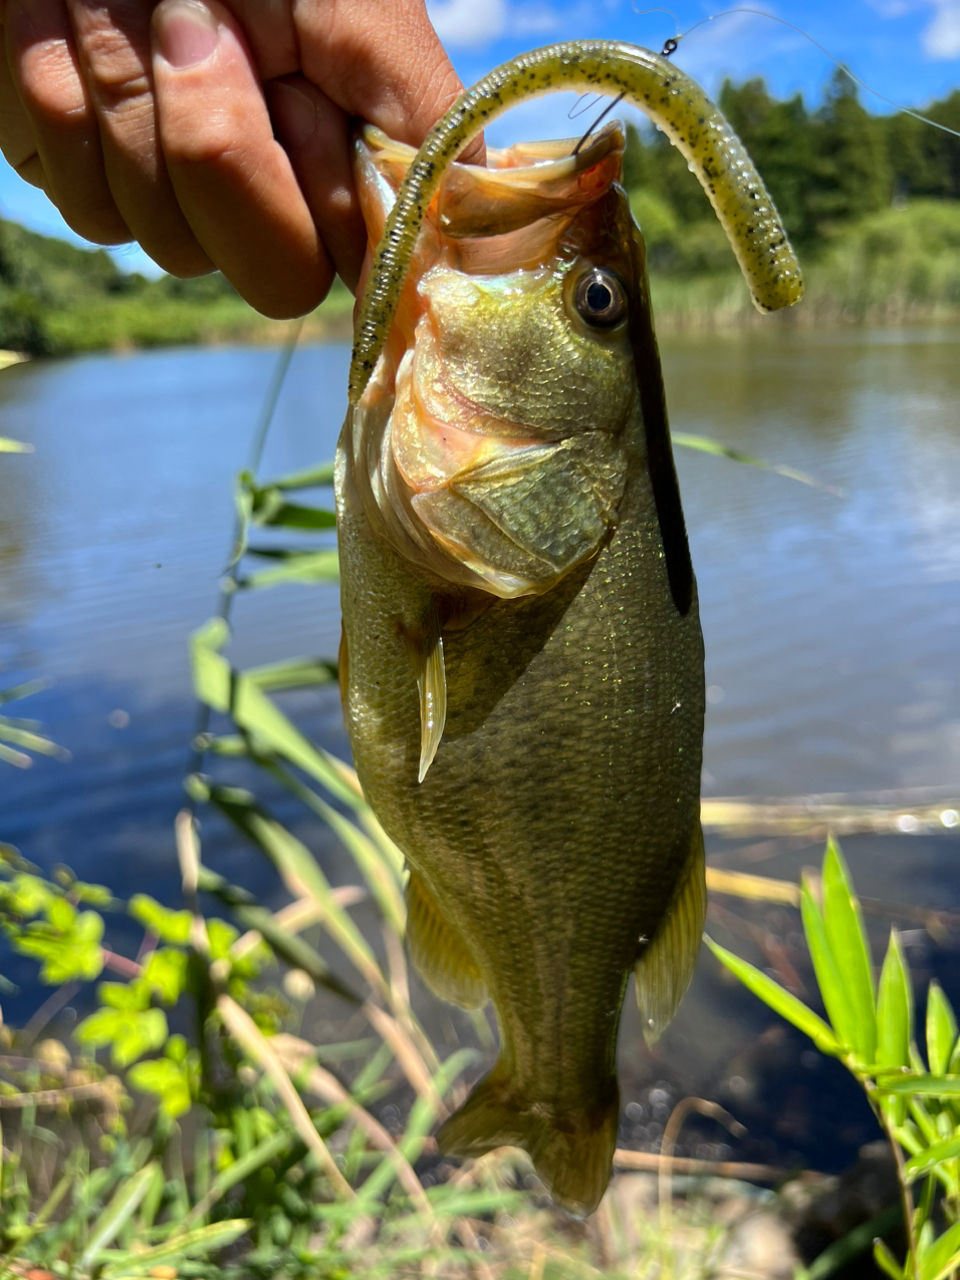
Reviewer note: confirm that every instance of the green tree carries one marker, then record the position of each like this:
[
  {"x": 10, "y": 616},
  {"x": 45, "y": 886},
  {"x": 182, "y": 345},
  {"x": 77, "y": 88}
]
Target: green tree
[{"x": 851, "y": 173}]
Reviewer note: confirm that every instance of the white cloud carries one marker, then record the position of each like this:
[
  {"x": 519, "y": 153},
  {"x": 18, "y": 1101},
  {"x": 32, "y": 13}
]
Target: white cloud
[
  {"x": 941, "y": 39},
  {"x": 472, "y": 24},
  {"x": 468, "y": 23}
]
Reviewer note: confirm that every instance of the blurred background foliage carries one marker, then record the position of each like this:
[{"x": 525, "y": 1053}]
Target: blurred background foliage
[{"x": 872, "y": 203}]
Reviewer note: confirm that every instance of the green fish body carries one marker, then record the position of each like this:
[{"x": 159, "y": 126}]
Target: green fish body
[{"x": 523, "y": 662}]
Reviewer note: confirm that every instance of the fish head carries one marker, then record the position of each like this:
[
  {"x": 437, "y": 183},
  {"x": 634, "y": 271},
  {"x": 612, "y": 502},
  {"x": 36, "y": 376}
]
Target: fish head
[{"x": 490, "y": 446}]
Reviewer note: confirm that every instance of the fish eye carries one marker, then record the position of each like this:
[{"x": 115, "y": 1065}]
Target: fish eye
[{"x": 600, "y": 298}]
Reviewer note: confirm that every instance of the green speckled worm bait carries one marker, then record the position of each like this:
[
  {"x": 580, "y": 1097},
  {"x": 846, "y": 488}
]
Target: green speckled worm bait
[{"x": 672, "y": 101}]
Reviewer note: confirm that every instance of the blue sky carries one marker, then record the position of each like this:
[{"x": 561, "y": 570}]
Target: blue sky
[{"x": 909, "y": 50}]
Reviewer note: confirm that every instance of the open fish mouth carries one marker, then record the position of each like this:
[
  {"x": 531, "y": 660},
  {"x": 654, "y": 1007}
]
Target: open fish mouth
[{"x": 487, "y": 445}]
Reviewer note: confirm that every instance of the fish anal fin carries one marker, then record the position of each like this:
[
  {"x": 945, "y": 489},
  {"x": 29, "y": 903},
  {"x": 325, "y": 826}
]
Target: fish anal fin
[
  {"x": 426, "y": 650},
  {"x": 572, "y": 1151},
  {"x": 665, "y": 967},
  {"x": 438, "y": 951}
]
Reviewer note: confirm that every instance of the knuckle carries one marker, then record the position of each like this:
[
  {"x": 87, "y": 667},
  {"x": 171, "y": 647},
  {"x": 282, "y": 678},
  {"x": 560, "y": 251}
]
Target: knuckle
[{"x": 116, "y": 72}]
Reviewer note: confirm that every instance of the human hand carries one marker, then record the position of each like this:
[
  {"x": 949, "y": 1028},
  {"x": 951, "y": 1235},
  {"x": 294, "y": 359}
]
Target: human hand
[{"x": 216, "y": 133}]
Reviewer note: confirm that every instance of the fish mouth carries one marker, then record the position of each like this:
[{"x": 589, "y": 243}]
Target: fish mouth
[
  {"x": 466, "y": 458},
  {"x": 519, "y": 186}
]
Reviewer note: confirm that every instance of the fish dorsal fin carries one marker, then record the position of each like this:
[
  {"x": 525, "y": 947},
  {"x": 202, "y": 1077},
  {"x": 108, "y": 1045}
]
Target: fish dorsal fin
[
  {"x": 426, "y": 649},
  {"x": 664, "y": 969},
  {"x": 438, "y": 951}
]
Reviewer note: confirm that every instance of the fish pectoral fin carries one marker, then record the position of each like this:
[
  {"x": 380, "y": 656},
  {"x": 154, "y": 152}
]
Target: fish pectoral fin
[
  {"x": 438, "y": 951},
  {"x": 426, "y": 649},
  {"x": 572, "y": 1151},
  {"x": 665, "y": 967}
]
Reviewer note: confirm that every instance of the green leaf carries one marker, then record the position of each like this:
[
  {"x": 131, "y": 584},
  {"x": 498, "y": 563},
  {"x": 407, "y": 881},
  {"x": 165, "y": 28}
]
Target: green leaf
[
  {"x": 925, "y": 1161},
  {"x": 781, "y": 1001},
  {"x": 851, "y": 1245},
  {"x": 165, "y": 971},
  {"x": 270, "y": 509},
  {"x": 300, "y": 873},
  {"x": 298, "y": 566},
  {"x": 14, "y": 446},
  {"x": 27, "y": 740},
  {"x": 941, "y": 1030},
  {"x": 942, "y": 1256},
  {"x": 129, "y": 1033},
  {"x": 187, "y": 1245},
  {"x": 706, "y": 444},
  {"x": 220, "y": 687},
  {"x": 886, "y": 1261},
  {"x": 894, "y": 1020},
  {"x": 836, "y": 1003},
  {"x": 847, "y": 940},
  {"x": 65, "y": 955},
  {"x": 292, "y": 673},
  {"x": 117, "y": 1213},
  {"x": 169, "y": 926},
  {"x": 28, "y": 895},
  {"x": 8, "y": 358},
  {"x": 932, "y": 1086},
  {"x": 169, "y": 1080},
  {"x": 126, "y": 996},
  {"x": 311, "y": 478},
  {"x": 221, "y": 937}
]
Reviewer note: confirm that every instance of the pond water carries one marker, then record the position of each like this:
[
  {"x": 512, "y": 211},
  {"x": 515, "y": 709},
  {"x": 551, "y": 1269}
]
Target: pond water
[{"x": 832, "y": 626}]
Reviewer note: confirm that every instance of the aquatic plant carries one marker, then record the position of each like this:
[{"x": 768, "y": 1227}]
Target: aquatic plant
[{"x": 870, "y": 1028}]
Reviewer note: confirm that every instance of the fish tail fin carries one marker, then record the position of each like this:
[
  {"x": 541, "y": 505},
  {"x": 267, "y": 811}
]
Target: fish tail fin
[
  {"x": 571, "y": 1151},
  {"x": 665, "y": 967}
]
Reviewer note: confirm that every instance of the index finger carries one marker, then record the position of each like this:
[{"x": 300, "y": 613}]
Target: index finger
[{"x": 378, "y": 60}]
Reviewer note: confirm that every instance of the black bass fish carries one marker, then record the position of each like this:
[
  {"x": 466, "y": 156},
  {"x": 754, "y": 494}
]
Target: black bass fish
[{"x": 522, "y": 664}]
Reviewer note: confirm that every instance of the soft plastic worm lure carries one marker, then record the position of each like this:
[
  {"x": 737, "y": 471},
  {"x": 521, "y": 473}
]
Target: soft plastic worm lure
[{"x": 673, "y": 102}]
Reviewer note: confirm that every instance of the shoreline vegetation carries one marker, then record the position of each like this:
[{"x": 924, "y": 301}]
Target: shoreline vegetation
[{"x": 871, "y": 203}]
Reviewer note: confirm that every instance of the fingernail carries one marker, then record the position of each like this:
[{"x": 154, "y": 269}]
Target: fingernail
[
  {"x": 295, "y": 113},
  {"x": 186, "y": 32}
]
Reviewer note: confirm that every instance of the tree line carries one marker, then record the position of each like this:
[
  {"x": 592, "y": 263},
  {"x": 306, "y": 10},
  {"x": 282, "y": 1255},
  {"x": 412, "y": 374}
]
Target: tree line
[{"x": 824, "y": 167}]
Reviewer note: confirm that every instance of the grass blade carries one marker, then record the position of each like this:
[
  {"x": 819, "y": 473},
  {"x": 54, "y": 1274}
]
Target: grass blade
[
  {"x": 843, "y": 925},
  {"x": 284, "y": 943},
  {"x": 927, "y": 1086},
  {"x": 256, "y": 1045},
  {"x": 707, "y": 444},
  {"x": 781, "y": 1001},
  {"x": 271, "y": 1148},
  {"x": 203, "y": 1240},
  {"x": 828, "y": 977},
  {"x": 941, "y": 1257},
  {"x": 299, "y": 871},
  {"x": 925, "y": 1160},
  {"x": 118, "y": 1213},
  {"x": 894, "y": 1021},
  {"x": 224, "y": 689},
  {"x": 941, "y": 1030},
  {"x": 886, "y": 1261}
]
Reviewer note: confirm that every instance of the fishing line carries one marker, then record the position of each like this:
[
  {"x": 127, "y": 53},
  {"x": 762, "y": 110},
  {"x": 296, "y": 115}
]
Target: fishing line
[
  {"x": 606, "y": 111},
  {"x": 761, "y": 13}
]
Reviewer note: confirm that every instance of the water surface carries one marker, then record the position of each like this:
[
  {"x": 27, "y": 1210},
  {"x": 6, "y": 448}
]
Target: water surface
[{"x": 832, "y": 627}]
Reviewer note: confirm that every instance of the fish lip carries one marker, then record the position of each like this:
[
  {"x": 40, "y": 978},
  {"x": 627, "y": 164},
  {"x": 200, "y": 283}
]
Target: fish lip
[{"x": 550, "y": 159}]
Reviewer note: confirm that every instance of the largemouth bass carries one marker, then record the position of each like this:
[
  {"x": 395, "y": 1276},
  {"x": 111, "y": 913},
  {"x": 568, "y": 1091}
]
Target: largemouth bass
[{"x": 522, "y": 664}]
